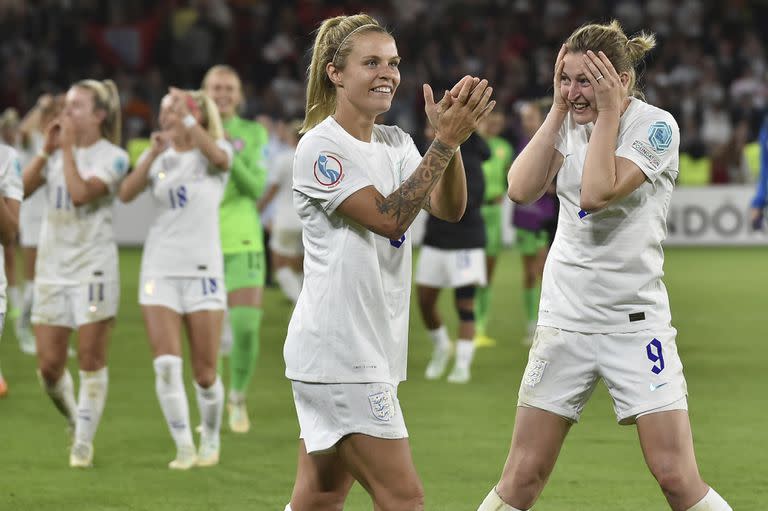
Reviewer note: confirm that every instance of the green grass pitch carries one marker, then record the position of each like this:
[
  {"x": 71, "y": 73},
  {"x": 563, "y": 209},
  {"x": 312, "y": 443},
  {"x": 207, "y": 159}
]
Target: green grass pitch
[{"x": 459, "y": 434}]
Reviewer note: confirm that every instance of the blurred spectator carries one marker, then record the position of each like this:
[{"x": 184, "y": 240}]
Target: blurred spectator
[{"x": 710, "y": 64}]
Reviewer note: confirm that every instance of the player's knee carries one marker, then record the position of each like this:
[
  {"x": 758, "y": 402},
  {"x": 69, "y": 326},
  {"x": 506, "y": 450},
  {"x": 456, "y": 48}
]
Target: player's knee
[
  {"x": 671, "y": 478},
  {"x": 50, "y": 372},
  {"x": 204, "y": 376},
  {"x": 410, "y": 499},
  {"x": 523, "y": 482}
]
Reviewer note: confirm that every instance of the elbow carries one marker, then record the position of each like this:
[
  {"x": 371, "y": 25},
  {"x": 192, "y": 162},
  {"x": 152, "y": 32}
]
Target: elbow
[
  {"x": 125, "y": 196},
  {"x": 517, "y": 196},
  {"x": 391, "y": 230},
  {"x": 456, "y": 215},
  {"x": 221, "y": 162},
  {"x": 80, "y": 200},
  {"x": 590, "y": 203}
]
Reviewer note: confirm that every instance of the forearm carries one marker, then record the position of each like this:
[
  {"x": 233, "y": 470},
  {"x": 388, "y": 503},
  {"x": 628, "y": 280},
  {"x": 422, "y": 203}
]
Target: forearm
[
  {"x": 32, "y": 177},
  {"x": 249, "y": 179},
  {"x": 401, "y": 206},
  {"x": 448, "y": 200},
  {"x": 529, "y": 174},
  {"x": 599, "y": 177},
  {"x": 207, "y": 145},
  {"x": 136, "y": 181},
  {"x": 76, "y": 185},
  {"x": 267, "y": 198}
]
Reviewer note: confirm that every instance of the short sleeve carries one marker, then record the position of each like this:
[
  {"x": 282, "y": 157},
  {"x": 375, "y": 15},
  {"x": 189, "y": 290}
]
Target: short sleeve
[
  {"x": 112, "y": 168},
  {"x": 10, "y": 177},
  {"x": 325, "y": 172},
  {"x": 651, "y": 142}
]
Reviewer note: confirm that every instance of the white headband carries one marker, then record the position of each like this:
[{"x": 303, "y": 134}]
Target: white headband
[{"x": 333, "y": 60}]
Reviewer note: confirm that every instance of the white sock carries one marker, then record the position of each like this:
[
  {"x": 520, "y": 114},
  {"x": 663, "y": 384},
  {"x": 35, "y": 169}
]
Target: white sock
[
  {"x": 169, "y": 386},
  {"x": 440, "y": 337},
  {"x": 236, "y": 397},
  {"x": 711, "y": 502},
  {"x": 90, "y": 403},
  {"x": 210, "y": 401},
  {"x": 28, "y": 295},
  {"x": 493, "y": 502},
  {"x": 288, "y": 508},
  {"x": 289, "y": 281},
  {"x": 62, "y": 393},
  {"x": 28, "y": 287},
  {"x": 14, "y": 296},
  {"x": 465, "y": 352}
]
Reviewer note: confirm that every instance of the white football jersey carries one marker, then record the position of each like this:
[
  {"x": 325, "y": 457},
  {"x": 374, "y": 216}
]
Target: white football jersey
[
  {"x": 77, "y": 244},
  {"x": 184, "y": 239},
  {"x": 286, "y": 216},
  {"x": 350, "y": 324},
  {"x": 603, "y": 273},
  {"x": 10, "y": 188}
]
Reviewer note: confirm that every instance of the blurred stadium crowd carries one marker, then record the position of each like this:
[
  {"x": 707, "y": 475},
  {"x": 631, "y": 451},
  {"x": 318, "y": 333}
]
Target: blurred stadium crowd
[{"x": 709, "y": 69}]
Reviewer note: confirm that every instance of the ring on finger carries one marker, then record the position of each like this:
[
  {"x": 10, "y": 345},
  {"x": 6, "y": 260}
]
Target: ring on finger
[{"x": 598, "y": 78}]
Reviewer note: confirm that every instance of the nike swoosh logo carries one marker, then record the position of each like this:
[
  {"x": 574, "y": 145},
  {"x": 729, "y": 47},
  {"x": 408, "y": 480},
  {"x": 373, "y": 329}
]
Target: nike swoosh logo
[{"x": 654, "y": 387}]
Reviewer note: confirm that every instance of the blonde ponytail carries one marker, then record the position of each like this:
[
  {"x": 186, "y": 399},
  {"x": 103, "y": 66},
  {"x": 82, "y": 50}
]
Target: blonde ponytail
[
  {"x": 107, "y": 98},
  {"x": 333, "y": 43},
  {"x": 639, "y": 45}
]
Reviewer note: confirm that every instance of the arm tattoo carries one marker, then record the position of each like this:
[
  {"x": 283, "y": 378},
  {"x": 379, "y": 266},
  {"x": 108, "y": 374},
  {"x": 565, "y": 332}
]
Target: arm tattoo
[{"x": 404, "y": 203}]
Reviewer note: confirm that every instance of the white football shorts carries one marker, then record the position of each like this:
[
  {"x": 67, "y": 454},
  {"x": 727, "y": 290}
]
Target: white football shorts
[
  {"x": 330, "y": 411},
  {"x": 183, "y": 294},
  {"x": 642, "y": 371},
  {"x": 72, "y": 306},
  {"x": 448, "y": 268}
]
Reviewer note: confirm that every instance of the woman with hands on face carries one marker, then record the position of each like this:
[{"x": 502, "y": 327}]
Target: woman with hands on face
[
  {"x": 357, "y": 187},
  {"x": 604, "y": 311},
  {"x": 77, "y": 285},
  {"x": 181, "y": 282}
]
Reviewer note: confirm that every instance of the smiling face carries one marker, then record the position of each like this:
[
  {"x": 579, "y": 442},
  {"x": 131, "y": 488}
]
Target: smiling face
[
  {"x": 225, "y": 90},
  {"x": 370, "y": 76},
  {"x": 80, "y": 109},
  {"x": 576, "y": 89}
]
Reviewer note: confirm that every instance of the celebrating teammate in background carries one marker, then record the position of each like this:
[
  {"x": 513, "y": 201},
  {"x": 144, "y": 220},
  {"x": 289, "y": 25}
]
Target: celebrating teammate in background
[
  {"x": 530, "y": 221},
  {"x": 181, "y": 266},
  {"x": 241, "y": 237},
  {"x": 604, "y": 309},
  {"x": 77, "y": 284},
  {"x": 9, "y": 135},
  {"x": 285, "y": 241},
  {"x": 11, "y": 194},
  {"x": 759, "y": 203},
  {"x": 358, "y": 187},
  {"x": 32, "y": 137},
  {"x": 452, "y": 256},
  {"x": 495, "y": 171}
]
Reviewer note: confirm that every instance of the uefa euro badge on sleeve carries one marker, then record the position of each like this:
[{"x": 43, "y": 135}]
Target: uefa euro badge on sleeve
[
  {"x": 382, "y": 406},
  {"x": 328, "y": 170},
  {"x": 660, "y": 136}
]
